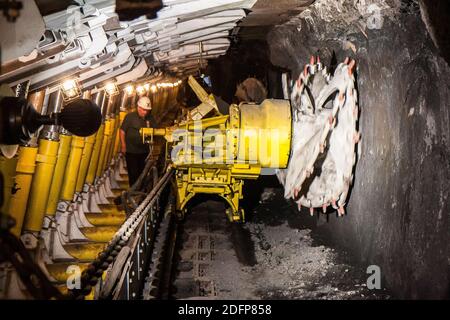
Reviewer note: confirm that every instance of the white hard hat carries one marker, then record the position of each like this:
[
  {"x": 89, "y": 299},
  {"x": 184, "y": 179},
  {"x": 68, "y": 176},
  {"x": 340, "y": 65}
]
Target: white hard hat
[{"x": 145, "y": 103}]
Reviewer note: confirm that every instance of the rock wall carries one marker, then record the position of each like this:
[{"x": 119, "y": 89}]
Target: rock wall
[{"x": 398, "y": 211}]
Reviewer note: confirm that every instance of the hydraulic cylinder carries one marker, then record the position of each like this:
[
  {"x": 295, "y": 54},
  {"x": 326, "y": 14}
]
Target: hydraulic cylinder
[
  {"x": 8, "y": 169},
  {"x": 40, "y": 186},
  {"x": 85, "y": 160},
  {"x": 90, "y": 177},
  {"x": 102, "y": 157},
  {"x": 26, "y": 165},
  {"x": 122, "y": 115},
  {"x": 60, "y": 167},
  {"x": 110, "y": 147},
  {"x": 45, "y": 168},
  {"x": 73, "y": 166}
]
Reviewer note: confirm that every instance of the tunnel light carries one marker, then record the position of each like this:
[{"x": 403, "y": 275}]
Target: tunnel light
[
  {"x": 153, "y": 88},
  {"x": 111, "y": 89},
  {"x": 70, "y": 89},
  {"x": 147, "y": 87},
  {"x": 140, "y": 90},
  {"x": 129, "y": 89}
]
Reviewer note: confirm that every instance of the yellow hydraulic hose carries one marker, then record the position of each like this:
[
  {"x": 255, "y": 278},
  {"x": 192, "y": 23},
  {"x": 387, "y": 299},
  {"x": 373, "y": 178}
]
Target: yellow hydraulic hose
[
  {"x": 24, "y": 174},
  {"x": 90, "y": 177},
  {"x": 60, "y": 168},
  {"x": 73, "y": 165},
  {"x": 85, "y": 160},
  {"x": 40, "y": 186}
]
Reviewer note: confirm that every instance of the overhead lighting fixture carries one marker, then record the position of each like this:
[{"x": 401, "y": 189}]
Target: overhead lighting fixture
[
  {"x": 70, "y": 89},
  {"x": 129, "y": 89},
  {"x": 147, "y": 87},
  {"x": 153, "y": 88},
  {"x": 111, "y": 89},
  {"x": 140, "y": 90}
]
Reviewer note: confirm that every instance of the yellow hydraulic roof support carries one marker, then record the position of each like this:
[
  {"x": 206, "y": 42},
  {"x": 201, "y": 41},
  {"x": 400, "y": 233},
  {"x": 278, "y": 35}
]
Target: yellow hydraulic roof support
[
  {"x": 73, "y": 166},
  {"x": 95, "y": 155},
  {"x": 8, "y": 168},
  {"x": 85, "y": 160},
  {"x": 24, "y": 174},
  {"x": 40, "y": 186},
  {"x": 102, "y": 157}
]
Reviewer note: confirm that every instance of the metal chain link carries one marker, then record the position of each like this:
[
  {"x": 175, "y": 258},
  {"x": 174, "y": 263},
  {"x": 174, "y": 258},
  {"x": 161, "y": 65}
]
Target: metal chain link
[{"x": 94, "y": 271}]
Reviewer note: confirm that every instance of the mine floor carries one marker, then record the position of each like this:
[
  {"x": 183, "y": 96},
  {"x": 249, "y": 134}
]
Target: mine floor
[{"x": 277, "y": 254}]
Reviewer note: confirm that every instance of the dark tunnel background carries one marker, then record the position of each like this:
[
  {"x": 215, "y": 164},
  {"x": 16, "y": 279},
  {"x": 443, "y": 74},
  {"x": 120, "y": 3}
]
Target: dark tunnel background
[
  {"x": 398, "y": 212},
  {"x": 243, "y": 60}
]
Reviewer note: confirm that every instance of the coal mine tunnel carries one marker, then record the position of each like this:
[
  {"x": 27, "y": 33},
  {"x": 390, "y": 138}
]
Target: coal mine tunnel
[{"x": 211, "y": 149}]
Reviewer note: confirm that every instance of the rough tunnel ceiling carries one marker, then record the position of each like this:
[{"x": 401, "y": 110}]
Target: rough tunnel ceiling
[
  {"x": 265, "y": 14},
  {"x": 129, "y": 10}
]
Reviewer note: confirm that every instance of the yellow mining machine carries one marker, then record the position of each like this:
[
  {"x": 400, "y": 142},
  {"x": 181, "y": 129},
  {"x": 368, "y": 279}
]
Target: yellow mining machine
[{"x": 214, "y": 153}]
